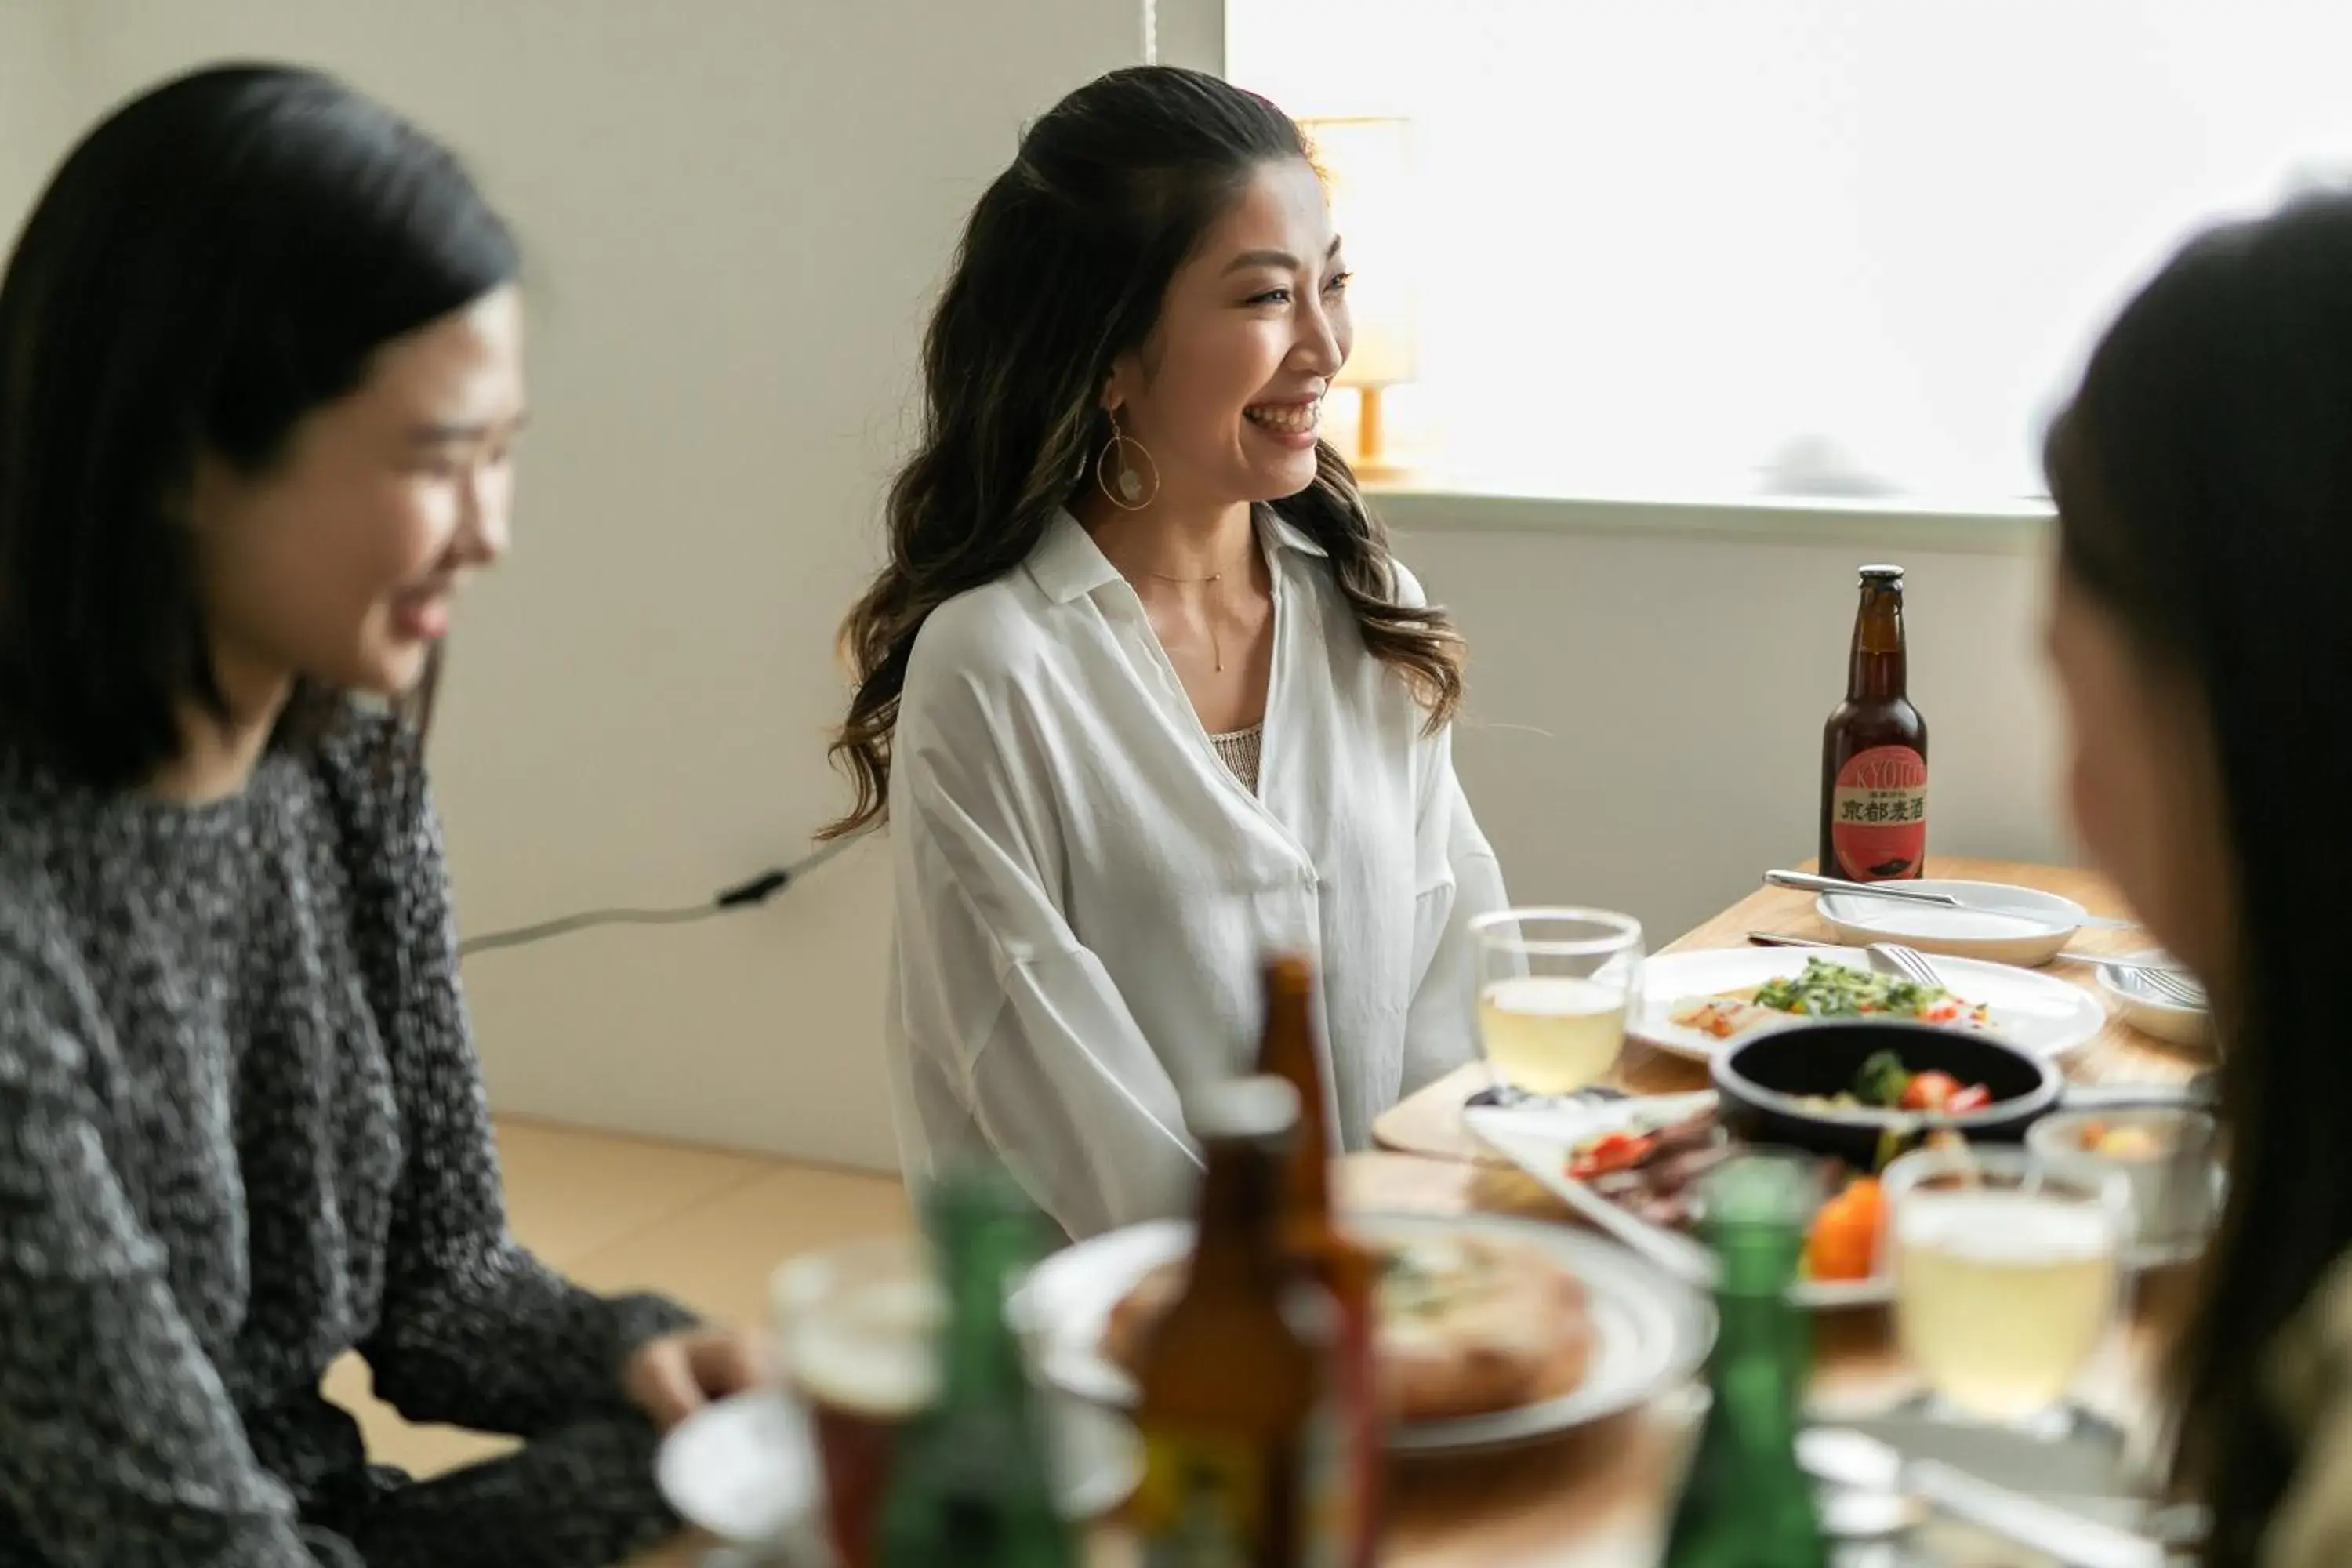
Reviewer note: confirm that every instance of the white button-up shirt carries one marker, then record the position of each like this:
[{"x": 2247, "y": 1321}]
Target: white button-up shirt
[{"x": 1084, "y": 893}]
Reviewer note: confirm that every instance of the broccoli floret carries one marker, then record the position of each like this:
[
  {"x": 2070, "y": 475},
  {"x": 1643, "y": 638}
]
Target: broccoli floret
[{"x": 1881, "y": 1080}]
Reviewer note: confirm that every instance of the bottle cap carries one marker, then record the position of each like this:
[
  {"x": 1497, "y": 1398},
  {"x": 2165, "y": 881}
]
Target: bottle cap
[
  {"x": 1762, "y": 1189},
  {"x": 977, "y": 1190},
  {"x": 1289, "y": 973},
  {"x": 1882, "y": 575},
  {"x": 1244, "y": 1109}
]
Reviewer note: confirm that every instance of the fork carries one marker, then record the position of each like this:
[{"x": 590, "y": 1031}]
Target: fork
[
  {"x": 1913, "y": 965},
  {"x": 1908, "y": 962},
  {"x": 2172, "y": 987}
]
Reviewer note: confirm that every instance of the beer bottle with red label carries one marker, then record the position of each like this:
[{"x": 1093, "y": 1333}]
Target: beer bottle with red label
[{"x": 1874, "y": 751}]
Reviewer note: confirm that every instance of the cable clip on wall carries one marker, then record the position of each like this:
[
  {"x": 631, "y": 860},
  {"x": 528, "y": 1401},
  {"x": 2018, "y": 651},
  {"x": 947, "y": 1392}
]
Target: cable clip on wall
[{"x": 743, "y": 896}]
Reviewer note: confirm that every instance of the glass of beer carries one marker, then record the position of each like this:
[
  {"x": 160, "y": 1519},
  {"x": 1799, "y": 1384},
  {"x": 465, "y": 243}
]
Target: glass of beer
[
  {"x": 1554, "y": 987},
  {"x": 856, "y": 1329},
  {"x": 2006, "y": 1278}
]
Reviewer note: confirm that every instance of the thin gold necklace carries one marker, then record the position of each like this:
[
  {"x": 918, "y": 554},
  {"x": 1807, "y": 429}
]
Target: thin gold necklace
[{"x": 1216, "y": 642}]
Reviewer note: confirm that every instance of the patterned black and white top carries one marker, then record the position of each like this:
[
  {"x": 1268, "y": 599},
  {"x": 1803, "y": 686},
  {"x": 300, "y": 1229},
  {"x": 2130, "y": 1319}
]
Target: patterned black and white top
[{"x": 242, "y": 1130}]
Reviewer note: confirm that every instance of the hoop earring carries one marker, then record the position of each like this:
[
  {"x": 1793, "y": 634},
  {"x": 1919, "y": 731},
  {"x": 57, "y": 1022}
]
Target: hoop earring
[{"x": 1128, "y": 494}]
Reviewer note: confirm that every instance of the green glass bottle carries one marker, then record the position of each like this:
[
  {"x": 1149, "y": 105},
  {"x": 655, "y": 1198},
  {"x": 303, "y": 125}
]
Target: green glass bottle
[
  {"x": 1744, "y": 1501},
  {"x": 972, "y": 1481}
]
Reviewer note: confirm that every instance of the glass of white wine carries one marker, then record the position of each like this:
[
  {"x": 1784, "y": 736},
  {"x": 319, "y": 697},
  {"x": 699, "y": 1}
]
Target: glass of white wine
[
  {"x": 2006, "y": 1278},
  {"x": 1554, "y": 988}
]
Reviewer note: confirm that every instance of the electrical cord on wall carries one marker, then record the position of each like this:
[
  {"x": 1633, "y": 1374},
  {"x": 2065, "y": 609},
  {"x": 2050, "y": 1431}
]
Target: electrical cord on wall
[{"x": 744, "y": 896}]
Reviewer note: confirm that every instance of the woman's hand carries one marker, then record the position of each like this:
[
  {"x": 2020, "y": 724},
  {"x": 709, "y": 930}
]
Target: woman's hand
[{"x": 672, "y": 1377}]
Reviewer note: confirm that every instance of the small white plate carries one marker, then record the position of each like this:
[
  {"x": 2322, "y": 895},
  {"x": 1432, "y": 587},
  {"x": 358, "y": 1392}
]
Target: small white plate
[
  {"x": 745, "y": 1470},
  {"x": 2143, "y": 1010},
  {"x": 1650, "y": 1332},
  {"x": 2040, "y": 1015},
  {"x": 2045, "y": 923}
]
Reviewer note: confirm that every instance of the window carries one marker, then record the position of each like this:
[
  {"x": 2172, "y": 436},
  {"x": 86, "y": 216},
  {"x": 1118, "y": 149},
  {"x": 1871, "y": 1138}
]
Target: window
[{"x": 1699, "y": 249}]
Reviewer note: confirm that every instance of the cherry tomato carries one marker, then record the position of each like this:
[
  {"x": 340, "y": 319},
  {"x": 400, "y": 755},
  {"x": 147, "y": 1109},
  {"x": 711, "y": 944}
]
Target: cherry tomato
[
  {"x": 1975, "y": 1097},
  {"x": 1929, "y": 1090},
  {"x": 1611, "y": 1152}
]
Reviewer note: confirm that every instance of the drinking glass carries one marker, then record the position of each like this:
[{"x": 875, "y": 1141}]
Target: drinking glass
[
  {"x": 2005, "y": 1277},
  {"x": 1554, "y": 988},
  {"x": 856, "y": 1328}
]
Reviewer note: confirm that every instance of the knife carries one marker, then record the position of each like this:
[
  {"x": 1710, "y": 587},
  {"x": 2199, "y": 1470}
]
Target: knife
[{"x": 1805, "y": 882}]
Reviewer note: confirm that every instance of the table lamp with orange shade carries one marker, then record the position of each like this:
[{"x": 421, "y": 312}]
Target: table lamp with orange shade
[{"x": 1367, "y": 164}]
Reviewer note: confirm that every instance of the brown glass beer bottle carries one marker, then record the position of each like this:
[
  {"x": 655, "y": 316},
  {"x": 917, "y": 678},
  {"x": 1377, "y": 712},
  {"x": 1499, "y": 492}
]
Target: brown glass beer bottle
[
  {"x": 1311, "y": 1233},
  {"x": 1874, "y": 751},
  {"x": 1241, "y": 1458}
]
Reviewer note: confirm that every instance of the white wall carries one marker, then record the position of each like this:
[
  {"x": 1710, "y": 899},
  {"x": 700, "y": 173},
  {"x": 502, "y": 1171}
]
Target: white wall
[
  {"x": 736, "y": 212},
  {"x": 35, "y": 119}
]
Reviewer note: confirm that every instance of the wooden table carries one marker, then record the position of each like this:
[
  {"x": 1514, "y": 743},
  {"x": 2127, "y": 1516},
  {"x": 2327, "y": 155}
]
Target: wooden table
[
  {"x": 1596, "y": 1498},
  {"x": 1600, "y": 1498}
]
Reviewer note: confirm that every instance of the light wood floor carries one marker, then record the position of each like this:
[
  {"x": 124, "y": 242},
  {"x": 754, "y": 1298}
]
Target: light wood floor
[{"x": 700, "y": 1225}]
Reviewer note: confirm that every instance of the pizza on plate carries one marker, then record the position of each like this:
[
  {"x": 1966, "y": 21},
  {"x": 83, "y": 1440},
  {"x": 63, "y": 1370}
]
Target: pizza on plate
[{"x": 1469, "y": 1324}]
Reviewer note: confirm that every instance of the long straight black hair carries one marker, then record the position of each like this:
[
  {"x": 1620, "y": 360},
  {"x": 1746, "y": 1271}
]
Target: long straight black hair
[
  {"x": 1062, "y": 269},
  {"x": 221, "y": 255},
  {"x": 2203, "y": 477}
]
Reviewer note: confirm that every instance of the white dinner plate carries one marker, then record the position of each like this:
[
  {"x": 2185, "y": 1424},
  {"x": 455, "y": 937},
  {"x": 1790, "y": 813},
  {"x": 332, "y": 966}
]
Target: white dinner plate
[
  {"x": 2038, "y": 932},
  {"x": 1651, "y": 1332},
  {"x": 745, "y": 1470},
  {"x": 2037, "y": 1013}
]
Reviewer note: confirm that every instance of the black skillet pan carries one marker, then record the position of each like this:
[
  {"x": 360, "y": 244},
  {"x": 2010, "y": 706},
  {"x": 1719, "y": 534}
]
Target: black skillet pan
[{"x": 1761, "y": 1084}]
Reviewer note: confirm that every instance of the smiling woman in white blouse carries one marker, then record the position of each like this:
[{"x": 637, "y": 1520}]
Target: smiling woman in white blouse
[{"x": 1140, "y": 691}]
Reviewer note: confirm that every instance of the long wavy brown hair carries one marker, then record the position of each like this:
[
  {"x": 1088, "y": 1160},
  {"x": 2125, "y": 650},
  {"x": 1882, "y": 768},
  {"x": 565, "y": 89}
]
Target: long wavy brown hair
[{"x": 1061, "y": 270}]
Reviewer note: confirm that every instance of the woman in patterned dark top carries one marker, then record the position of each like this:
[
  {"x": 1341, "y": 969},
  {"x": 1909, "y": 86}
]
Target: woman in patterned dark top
[{"x": 259, "y": 373}]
